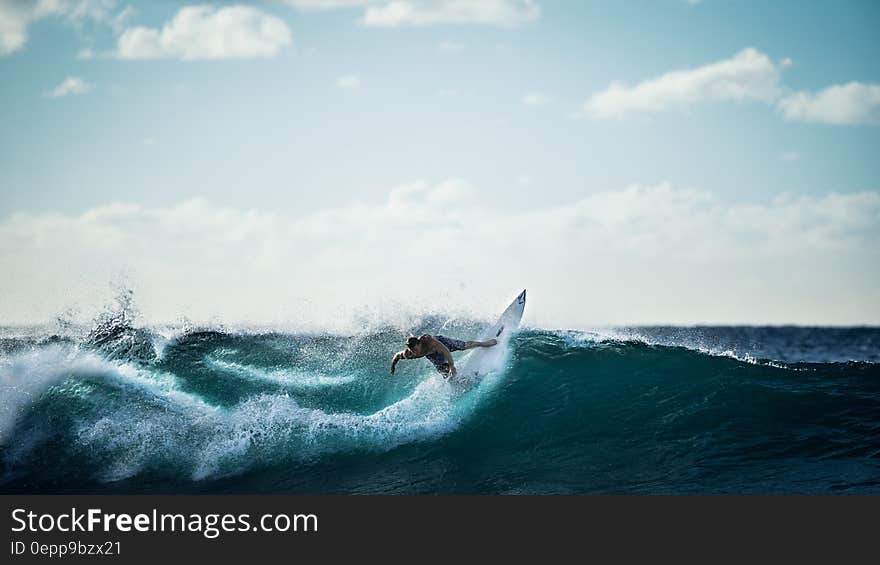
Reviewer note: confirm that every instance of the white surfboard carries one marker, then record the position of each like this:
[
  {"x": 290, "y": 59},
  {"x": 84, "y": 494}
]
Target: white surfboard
[{"x": 486, "y": 359}]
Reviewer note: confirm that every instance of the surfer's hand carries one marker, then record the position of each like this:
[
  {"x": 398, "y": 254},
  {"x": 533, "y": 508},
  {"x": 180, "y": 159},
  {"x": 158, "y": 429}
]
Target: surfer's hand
[{"x": 492, "y": 342}]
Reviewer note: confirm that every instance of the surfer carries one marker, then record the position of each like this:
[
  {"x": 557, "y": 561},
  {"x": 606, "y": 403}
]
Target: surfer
[{"x": 438, "y": 349}]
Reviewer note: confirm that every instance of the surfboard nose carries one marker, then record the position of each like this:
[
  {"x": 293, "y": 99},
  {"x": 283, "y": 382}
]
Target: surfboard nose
[{"x": 521, "y": 299}]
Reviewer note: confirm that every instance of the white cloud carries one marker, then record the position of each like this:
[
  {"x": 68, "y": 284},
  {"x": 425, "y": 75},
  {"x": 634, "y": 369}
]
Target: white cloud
[
  {"x": 651, "y": 254},
  {"x": 14, "y": 21},
  {"x": 71, "y": 86},
  {"x": 103, "y": 11},
  {"x": 504, "y": 13},
  {"x": 417, "y": 195},
  {"x": 749, "y": 75},
  {"x": 16, "y": 16},
  {"x": 841, "y": 104},
  {"x": 326, "y": 4},
  {"x": 120, "y": 21},
  {"x": 397, "y": 13},
  {"x": 349, "y": 82},
  {"x": 205, "y": 32},
  {"x": 536, "y": 99}
]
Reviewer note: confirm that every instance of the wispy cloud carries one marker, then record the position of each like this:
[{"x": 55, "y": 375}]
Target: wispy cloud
[
  {"x": 205, "y": 32},
  {"x": 844, "y": 104},
  {"x": 70, "y": 86},
  {"x": 536, "y": 99},
  {"x": 326, "y": 4},
  {"x": 398, "y": 13},
  {"x": 504, "y": 13},
  {"x": 349, "y": 81},
  {"x": 450, "y": 46},
  {"x": 749, "y": 75},
  {"x": 16, "y": 17}
]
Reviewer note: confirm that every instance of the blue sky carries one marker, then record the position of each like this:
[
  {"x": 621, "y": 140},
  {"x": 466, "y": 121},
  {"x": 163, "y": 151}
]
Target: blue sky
[{"x": 755, "y": 123}]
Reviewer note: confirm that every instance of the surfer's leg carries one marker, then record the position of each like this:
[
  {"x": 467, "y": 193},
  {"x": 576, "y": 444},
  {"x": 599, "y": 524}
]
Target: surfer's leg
[
  {"x": 452, "y": 344},
  {"x": 472, "y": 344}
]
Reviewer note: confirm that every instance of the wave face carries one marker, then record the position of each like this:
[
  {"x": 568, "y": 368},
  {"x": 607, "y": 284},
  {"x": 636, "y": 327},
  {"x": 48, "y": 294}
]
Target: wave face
[{"x": 649, "y": 410}]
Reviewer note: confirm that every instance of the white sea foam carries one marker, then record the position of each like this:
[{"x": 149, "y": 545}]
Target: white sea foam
[
  {"x": 288, "y": 377},
  {"x": 127, "y": 418},
  {"x": 24, "y": 377}
]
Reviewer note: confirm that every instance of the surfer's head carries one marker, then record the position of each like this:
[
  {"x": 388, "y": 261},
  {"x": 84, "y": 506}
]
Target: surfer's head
[{"x": 412, "y": 342}]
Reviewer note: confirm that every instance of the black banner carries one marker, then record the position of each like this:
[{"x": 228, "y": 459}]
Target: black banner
[{"x": 135, "y": 529}]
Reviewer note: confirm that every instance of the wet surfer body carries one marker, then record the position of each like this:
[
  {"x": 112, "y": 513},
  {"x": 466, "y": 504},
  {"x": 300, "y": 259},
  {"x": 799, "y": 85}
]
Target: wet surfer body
[{"x": 438, "y": 349}]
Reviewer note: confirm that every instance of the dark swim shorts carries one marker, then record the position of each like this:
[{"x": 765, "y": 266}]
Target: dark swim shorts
[{"x": 438, "y": 359}]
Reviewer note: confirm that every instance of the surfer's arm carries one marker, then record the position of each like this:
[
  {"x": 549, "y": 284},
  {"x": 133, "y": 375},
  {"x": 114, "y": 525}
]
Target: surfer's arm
[{"x": 397, "y": 357}]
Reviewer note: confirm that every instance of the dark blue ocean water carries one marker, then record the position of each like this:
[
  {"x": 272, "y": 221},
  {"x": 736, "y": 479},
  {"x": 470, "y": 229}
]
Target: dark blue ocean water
[{"x": 630, "y": 410}]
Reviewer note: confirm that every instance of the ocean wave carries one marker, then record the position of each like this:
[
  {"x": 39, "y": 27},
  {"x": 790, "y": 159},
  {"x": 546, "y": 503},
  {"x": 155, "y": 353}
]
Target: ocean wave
[
  {"x": 121, "y": 419},
  {"x": 582, "y": 411}
]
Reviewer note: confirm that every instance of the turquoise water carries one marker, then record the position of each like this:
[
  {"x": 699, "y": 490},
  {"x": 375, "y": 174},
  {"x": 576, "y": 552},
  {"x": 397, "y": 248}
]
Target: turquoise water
[{"x": 637, "y": 410}]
